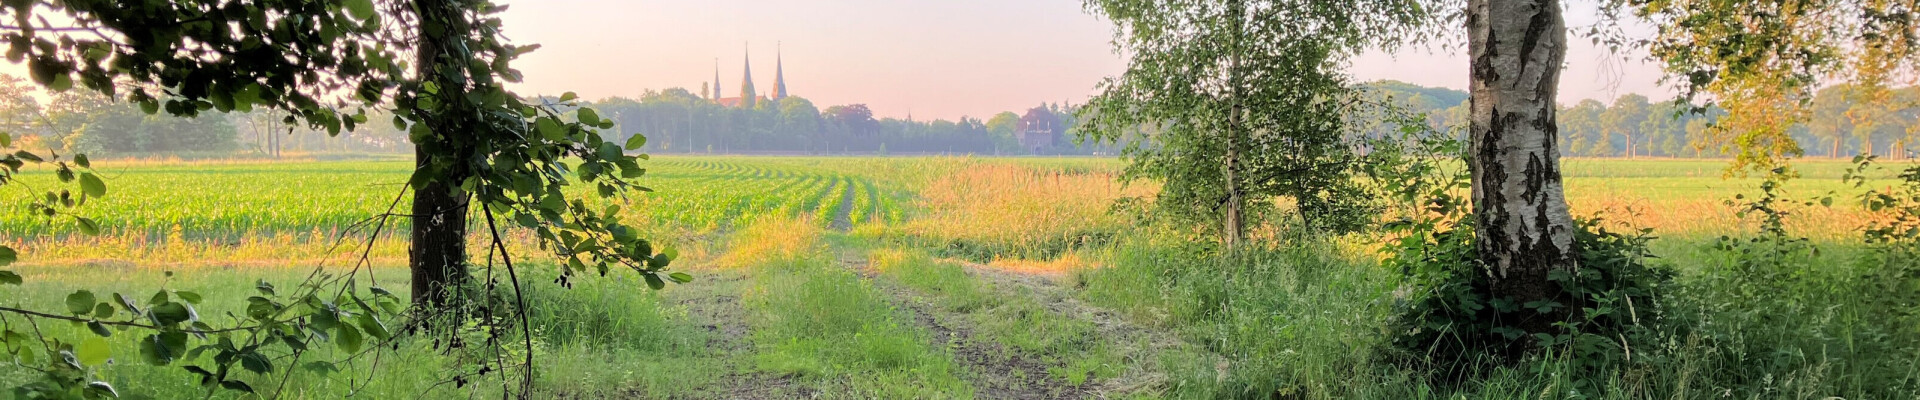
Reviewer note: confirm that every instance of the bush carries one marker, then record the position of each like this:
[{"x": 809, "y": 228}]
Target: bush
[{"x": 1609, "y": 309}]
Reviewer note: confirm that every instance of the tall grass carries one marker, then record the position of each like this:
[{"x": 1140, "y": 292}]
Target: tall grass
[
  {"x": 1075, "y": 350},
  {"x": 831, "y": 329},
  {"x": 1301, "y": 320},
  {"x": 992, "y": 210}
]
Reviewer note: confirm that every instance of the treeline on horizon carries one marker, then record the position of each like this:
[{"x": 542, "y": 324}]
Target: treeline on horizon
[
  {"x": 1841, "y": 125},
  {"x": 676, "y": 121}
]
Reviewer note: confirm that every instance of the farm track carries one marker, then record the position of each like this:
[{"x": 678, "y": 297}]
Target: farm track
[
  {"x": 843, "y": 217},
  {"x": 1137, "y": 343},
  {"x": 719, "y": 311},
  {"x": 995, "y": 372}
]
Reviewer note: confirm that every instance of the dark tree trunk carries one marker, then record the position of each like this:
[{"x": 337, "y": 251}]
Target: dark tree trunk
[
  {"x": 1235, "y": 226},
  {"x": 438, "y": 255},
  {"x": 1523, "y": 228}
]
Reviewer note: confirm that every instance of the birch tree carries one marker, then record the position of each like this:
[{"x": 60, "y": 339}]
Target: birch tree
[{"x": 1523, "y": 230}]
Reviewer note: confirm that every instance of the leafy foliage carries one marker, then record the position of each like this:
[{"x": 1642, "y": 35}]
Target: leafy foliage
[
  {"x": 1604, "y": 314},
  {"x": 310, "y": 59},
  {"x": 1238, "y": 102},
  {"x": 1761, "y": 61}
]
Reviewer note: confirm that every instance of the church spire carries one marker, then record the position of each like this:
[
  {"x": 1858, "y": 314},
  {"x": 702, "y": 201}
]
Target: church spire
[
  {"x": 716, "y": 80},
  {"x": 779, "y": 75},
  {"x": 747, "y": 94}
]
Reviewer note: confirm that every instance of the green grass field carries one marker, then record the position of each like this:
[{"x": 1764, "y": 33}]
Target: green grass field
[{"x": 959, "y": 278}]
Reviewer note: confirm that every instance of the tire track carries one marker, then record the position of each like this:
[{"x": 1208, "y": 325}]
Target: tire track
[{"x": 994, "y": 372}]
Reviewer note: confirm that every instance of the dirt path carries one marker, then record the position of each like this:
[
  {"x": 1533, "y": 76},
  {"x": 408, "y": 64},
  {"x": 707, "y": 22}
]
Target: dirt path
[
  {"x": 843, "y": 217},
  {"x": 1137, "y": 344},
  {"x": 716, "y": 307},
  {"x": 994, "y": 371}
]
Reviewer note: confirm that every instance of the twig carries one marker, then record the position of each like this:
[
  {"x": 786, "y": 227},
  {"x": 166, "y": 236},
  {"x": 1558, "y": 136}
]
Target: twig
[{"x": 519, "y": 296}]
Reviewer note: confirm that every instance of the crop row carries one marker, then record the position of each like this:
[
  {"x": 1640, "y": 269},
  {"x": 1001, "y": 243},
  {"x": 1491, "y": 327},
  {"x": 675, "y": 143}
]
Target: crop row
[{"x": 234, "y": 201}]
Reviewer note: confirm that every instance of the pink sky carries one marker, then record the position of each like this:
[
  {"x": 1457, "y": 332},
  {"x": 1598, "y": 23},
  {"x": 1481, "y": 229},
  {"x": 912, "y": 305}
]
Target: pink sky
[{"x": 936, "y": 59}]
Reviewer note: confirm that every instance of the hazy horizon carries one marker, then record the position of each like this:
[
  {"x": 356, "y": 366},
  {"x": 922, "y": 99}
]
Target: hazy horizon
[{"x": 935, "y": 61}]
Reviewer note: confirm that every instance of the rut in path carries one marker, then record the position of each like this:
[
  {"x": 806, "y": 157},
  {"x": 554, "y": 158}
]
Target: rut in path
[
  {"x": 1135, "y": 343},
  {"x": 994, "y": 371},
  {"x": 720, "y": 312},
  {"x": 843, "y": 217}
]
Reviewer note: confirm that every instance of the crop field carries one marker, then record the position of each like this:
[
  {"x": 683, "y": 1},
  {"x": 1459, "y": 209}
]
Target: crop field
[{"x": 952, "y": 277}]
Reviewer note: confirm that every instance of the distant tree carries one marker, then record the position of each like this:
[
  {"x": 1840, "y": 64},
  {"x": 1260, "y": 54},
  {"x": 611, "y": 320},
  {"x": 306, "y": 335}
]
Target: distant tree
[
  {"x": 1624, "y": 117},
  {"x": 856, "y": 118},
  {"x": 1003, "y": 128},
  {"x": 1581, "y": 130},
  {"x": 1244, "y": 100},
  {"x": 1762, "y": 61},
  {"x": 1665, "y": 128},
  {"x": 799, "y": 120},
  {"x": 1828, "y": 121},
  {"x": 19, "y": 111}
]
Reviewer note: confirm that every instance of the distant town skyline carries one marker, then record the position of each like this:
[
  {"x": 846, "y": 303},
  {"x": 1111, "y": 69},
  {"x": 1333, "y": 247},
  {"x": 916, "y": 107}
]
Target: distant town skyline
[{"x": 935, "y": 60}]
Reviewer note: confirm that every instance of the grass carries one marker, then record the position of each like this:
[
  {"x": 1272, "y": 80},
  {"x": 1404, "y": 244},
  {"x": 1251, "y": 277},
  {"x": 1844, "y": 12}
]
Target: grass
[
  {"x": 1297, "y": 318},
  {"x": 1010, "y": 316},
  {"x": 833, "y": 330}
]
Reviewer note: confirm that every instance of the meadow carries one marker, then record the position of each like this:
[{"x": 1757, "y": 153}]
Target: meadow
[{"x": 965, "y": 277}]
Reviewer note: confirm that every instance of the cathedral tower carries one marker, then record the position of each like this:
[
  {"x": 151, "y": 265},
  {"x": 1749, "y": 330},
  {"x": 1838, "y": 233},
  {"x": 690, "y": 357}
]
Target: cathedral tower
[
  {"x": 748, "y": 97},
  {"x": 779, "y": 76}
]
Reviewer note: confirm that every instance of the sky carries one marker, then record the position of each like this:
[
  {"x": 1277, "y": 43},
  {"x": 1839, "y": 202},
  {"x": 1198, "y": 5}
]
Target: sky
[{"x": 928, "y": 58}]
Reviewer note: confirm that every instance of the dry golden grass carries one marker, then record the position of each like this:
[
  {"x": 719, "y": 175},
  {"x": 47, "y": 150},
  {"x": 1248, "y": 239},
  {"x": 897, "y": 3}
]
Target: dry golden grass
[
  {"x": 770, "y": 241},
  {"x": 1058, "y": 266},
  {"x": 1011, "y": 207}
]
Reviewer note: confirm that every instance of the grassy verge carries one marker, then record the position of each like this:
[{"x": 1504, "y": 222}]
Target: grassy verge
[
  {"x": 828, "y": 328},
  {"x": 1072, "y": 348}
]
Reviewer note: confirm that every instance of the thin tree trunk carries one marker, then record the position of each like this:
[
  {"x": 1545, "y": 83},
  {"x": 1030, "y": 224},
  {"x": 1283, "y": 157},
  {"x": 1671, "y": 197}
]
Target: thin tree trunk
[
  {"x": 1523, "y": 229},
  {"x": 1235, "y": 227},
  {"x": 1629, "y": 145},
  {"x": 438, "y": 256}
]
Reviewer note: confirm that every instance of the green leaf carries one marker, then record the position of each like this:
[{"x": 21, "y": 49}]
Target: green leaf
[
  {"x": 8, "y": 277},
  {"x": 92, "y": 185},
  {"x": 29, "y": 355},
  {"x": 348, "y": 339},
  {"x": 636, "y": 142},
  {"x": 99, "y": 329},
  {"x": 254, "y": 361},
  {"x": 127, "y": 303},
  {"x": 80, "y": 302},
  {"x": 681, "y": 277},
  {"x": 78, "y": 159},
  {"x": 373, "y": 326},
  {"x": 587, "y": 116},
  {"x": 87, "y": 226},
  {"x": 163, "y": 348},
  {"x": 103, "y": 310},
  {"x": 550, "y": 129},
  {"x": 321, "y": 367},
  {"x": 6, "y": 141},
  {"x": 360, "y": 9},
  {"x": 171, "y": 313},
  {"x": 8, "y": 256},
  {"x": 653, "y": 281},
  {"x": 237, "y": 386},
  {"x": 190, "y": 297},
  {"x": 97, "y": 389},
  {"x": 94, "y": 351}
]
